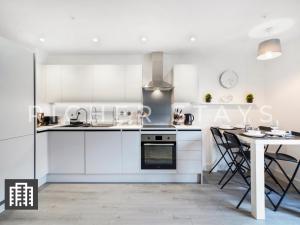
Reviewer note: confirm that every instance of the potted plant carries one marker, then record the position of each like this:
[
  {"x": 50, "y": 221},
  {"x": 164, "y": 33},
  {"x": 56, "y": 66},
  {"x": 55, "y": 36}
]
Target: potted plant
[
  {"x": 249, "y": 98},
  {"x": 208, "y": 97}
]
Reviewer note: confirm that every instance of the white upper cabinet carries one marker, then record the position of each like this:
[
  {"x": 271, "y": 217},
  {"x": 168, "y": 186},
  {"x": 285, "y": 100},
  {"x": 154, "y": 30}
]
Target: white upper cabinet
[
  {"x": 133, "y": 83},
  {"x": 77, "y": 82},
  {"x": 53, "y": 83},
  {"x": 93, "y": 83},
  {"x": 109, "y": 83},
  {"x": 185, "y": 83}
]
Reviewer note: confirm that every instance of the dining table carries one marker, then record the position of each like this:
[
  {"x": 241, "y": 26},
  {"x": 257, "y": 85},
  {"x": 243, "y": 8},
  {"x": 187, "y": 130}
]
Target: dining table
[{"x": 257, "y": 151}]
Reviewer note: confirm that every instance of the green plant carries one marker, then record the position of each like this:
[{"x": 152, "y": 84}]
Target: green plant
[
  {"x": 249, "y": 98},
  {"x": 208, "y": 97}
]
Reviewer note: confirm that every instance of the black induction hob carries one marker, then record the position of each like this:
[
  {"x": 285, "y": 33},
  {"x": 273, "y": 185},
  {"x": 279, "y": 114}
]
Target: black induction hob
[{"x": 158, "y": 126}]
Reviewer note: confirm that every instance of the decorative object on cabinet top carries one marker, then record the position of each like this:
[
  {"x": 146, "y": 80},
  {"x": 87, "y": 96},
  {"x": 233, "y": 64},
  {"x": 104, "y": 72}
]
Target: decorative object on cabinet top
[{"x": 208, "y": 98}]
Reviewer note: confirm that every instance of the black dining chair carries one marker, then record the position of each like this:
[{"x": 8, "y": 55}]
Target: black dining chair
[
  {"x": 222, "y": 147},
  {"x": 276, "y": 158},
  {"x": 242, "y": 164}
]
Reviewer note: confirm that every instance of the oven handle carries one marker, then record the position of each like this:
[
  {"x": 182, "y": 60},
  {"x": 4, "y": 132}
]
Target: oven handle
[{"x": 147, "y": 144}]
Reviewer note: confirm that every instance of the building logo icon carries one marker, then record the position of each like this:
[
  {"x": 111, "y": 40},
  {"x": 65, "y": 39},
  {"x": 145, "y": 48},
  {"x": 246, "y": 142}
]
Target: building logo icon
[{"x": 21, "y": 194}]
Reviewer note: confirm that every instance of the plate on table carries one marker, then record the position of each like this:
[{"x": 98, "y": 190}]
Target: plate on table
[
  {"x": 254, "y": 134},
  {"x": 240, "y": 126},
  {"x": 226, "y": 127},
  {"x": 279, "y": 133}
]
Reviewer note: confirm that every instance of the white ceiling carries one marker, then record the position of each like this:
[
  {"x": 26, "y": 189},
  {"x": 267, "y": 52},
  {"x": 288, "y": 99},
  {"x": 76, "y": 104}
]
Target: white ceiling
[{"x": 69, "y": 26}]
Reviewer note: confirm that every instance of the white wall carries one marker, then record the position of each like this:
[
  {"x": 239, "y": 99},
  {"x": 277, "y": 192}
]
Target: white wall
[{"x": 282, "y": 90}]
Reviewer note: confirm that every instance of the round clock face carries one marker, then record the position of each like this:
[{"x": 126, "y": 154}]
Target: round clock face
[{"x": 228, "y": 79}]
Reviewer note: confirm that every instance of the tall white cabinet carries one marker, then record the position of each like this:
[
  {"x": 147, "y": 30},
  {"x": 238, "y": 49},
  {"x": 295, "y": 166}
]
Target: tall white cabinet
[{"x": 17, "y": 127}]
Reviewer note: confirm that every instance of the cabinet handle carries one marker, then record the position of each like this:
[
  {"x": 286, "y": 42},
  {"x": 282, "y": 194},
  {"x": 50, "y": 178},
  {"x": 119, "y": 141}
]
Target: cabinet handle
[{"x": 159, "y": 144}]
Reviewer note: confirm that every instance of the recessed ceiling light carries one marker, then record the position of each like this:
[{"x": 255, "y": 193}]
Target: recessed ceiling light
[
  {"x": 144, "y": 39},
  {"x": 95, "y": 39},
  {"x": 193, "y": 39},
  {"x": 42, "y": 39}
]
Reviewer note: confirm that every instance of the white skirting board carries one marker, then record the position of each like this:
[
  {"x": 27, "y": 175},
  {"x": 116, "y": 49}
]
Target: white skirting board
[
  {"x": 2, "y": 208},
  {"x": 42, "y": 181},
  {"x": 134, "y": 178}
]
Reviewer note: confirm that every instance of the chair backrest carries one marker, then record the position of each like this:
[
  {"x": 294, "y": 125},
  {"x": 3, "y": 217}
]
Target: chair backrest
[
  {"x": 217, "y": 135},
  {"x": 234, "y": 142},
  {"x": 264, "y": 128}
]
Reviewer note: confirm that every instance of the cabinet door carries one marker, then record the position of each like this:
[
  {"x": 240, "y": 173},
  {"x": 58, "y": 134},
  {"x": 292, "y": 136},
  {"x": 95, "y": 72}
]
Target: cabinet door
[
  {"x": 41, "y": 155},
  {"x": 109, "y": 83},
  {"x": 17, "y": 160},
  {"x": 185, "y": 83},
  {"x": 53, "y": 83},
  {"x": 66, "y": 152},
  {"x": 16, "y": 90},
  {"x": 103, "y": 152},
  {"x": 131, "y": 152},
  {"x": 133, "y": 83},
  {"x": 77, "y": 82}
]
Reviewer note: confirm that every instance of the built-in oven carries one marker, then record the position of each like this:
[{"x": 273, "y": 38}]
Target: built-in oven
[{"x": 158, "y": 151}]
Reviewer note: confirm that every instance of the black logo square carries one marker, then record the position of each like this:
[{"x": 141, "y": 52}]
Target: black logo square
[{"x": 21, "y": 194}]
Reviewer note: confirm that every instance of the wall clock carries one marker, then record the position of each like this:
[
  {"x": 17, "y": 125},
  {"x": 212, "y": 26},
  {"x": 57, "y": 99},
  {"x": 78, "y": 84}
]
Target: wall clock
[{"x": 228, "y": 79}]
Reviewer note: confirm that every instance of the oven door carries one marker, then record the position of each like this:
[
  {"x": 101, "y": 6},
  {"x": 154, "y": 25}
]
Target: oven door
[{"x": 158, "y": 155}]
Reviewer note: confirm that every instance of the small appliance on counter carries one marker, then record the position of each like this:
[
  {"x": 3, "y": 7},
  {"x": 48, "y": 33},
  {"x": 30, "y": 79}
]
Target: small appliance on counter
[
  {"x": 50, "y": 120},
  {"x": 188, "y": 119},
  {"x": 43, "y": 120}
]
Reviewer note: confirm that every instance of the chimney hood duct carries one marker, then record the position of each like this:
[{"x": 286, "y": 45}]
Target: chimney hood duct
[{"x": 157, "y": 82}]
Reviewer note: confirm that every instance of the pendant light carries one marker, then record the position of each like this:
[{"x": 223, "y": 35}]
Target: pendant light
[{"x": 269, "y": 49}]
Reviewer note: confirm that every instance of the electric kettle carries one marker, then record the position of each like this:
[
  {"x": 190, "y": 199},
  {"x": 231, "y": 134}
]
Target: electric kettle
[{"x": 188, "y": 119}]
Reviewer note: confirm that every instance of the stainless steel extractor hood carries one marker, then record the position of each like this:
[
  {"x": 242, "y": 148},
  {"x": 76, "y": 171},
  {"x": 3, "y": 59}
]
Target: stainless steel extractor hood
[{"x": 157, "y": 82}]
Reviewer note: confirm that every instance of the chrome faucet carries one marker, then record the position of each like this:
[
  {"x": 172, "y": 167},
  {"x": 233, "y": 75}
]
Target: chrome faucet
[{"x": 86, "y": 114}]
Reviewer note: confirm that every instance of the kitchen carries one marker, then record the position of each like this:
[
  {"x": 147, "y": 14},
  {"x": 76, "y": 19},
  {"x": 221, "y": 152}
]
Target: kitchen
[{"x": 95, "y": 112}]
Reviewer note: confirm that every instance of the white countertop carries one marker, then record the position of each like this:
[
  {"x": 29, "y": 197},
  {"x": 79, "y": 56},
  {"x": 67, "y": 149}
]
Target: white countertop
[{"x": 117, "y": 127}]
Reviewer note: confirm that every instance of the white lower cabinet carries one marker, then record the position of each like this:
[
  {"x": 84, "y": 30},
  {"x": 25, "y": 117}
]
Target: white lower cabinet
[
  {"x": 131, "y": 152},
  {"x": 66, "y": 152},
  {"x": 114, "y": 156},
  {"x": 189, "y": 152},
  {"x": 103, "y": 152},
  {"x": 41, "y": 158}
]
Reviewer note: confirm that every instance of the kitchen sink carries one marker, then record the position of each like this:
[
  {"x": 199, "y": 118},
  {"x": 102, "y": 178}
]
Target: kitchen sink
[{"x": 89, "y": 125}]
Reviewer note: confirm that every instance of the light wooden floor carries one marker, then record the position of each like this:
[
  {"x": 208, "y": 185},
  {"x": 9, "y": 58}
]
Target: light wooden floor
[{"x": 147, "y": 204}]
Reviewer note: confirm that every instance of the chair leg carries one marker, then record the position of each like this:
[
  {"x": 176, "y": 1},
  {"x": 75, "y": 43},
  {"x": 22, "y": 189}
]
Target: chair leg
[
  {"x": 243, "y": 198},
  {"x": 222, "y": 157},
  {"x": 227, "y": 171},
  {"x": 230, "y": 168},
  {"x": 288, "y": 187},
  {"x": 286, "y": 176},
  {"x": 232, "y": 175},
  {"x": 216, "y": 164},
  {"x": 270, "y": 200},
  {"x": 267, "y": 169}
]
